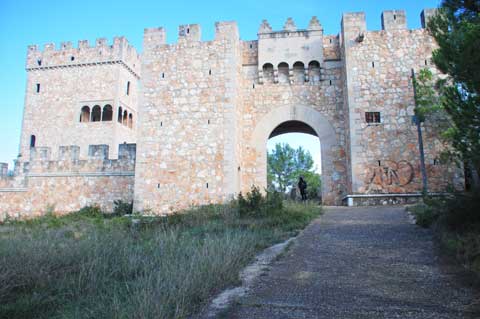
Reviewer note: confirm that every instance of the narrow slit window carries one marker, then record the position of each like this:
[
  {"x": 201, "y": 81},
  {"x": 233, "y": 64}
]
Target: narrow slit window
[
  {"x": 128, "y": 88},
  {"x": 373, "y": 64},
  {"x": 394, "y": 17},
  {"x": 32, "y": 141},
  {"x": 209, "y": 72},
  {"x": 72, "y": 58},
  {"x": 38, "y": 87},
  {"x": 39, "y": 62},
  {"x": 119, "y": 116},
  {"x": 372, "y": 117}
]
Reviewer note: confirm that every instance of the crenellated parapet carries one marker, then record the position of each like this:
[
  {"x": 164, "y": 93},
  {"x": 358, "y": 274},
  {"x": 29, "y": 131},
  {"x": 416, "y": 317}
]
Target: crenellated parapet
[
  {"x": 354, "y": 24},
  {"x": 154, "y": 38},
  {"x": 67, "y": 56}
]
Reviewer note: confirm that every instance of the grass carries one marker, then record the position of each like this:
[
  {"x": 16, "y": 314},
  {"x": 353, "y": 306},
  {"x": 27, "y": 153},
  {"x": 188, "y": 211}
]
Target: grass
[{"x": 91, "y": 265}]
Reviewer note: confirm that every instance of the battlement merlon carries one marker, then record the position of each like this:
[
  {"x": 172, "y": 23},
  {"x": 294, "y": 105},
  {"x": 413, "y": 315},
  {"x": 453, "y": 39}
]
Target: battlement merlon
[
  {"x": 68, "y": 56},
  {"x": 3, "y": 169},
  {"x": 394, "y": 20},
  {"x": 290, "y": 30},
  {"x": 426, "y": 15}
]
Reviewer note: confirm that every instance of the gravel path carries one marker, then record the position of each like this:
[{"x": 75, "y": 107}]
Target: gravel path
[{"x": 367, "y": 262}]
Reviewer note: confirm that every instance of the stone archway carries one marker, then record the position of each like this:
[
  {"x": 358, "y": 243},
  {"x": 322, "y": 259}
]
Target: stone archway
[{"x": 322, "y": 129}]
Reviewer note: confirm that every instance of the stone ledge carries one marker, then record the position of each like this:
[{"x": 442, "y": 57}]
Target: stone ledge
[
  {"x": 61, "y": 66},
  {"x": 82, "y": 174},
  {"x": 385, "y": 199},
  {"x": 13, "y": 189}
]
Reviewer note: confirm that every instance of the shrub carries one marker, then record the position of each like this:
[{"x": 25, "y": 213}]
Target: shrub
[
  {"x": 122, "y": 208},
  {"x": 90, "y": 211},
  {"x": 425, "y": 215},
  {"x": 252, "y": 204},
  {"x": 457, "y": 225},
  {"x": 462, "y": 212}
]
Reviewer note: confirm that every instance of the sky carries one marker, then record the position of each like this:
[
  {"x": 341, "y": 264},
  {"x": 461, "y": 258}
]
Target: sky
[{"x": 24, "y": 22}]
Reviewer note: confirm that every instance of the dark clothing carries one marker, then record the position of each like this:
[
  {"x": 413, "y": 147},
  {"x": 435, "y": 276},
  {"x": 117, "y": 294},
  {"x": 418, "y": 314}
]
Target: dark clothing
[{"x": 302, "y": 185}]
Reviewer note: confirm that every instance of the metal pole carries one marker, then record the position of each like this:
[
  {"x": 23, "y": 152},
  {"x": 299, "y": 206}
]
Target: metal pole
[{"x": 420, "y": 140}]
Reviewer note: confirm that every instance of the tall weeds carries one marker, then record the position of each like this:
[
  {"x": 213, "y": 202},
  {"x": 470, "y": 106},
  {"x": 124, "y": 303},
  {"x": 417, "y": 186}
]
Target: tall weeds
[{"x": 88, "y": 265}]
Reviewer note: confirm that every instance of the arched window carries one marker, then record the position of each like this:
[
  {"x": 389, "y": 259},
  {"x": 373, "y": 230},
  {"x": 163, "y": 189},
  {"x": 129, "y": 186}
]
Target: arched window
[
  {"x": 268, "y": 73},
  {"x": 107, "y": 113},
  {"x": 96, "y": 113},
  {"x": 119, "y": 117},
  {"x": 85, "y": 114},
  {"x": 283, "y": 73},
  {"x": 314, "y": 71},
  {"x": 298, "y": 72},
  {"x": 130, "y": 120},
  {"x": 125, "y": 117},
  {"x": 32, "y": 141},
  {"x": 128, "y": 88}
]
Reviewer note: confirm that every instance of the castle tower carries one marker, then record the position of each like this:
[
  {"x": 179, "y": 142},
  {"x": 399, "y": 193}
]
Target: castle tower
[
  {"x": 187, "y": 138},
  {"x": 80, "y": 96}
]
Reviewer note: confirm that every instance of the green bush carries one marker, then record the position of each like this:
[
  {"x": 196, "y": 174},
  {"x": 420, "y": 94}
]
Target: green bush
[
  {"x": 461, "y": 212},
  {"x": 251, "y": 204},
  {"x": 425, "y": 215},
  {"x": 90, "y": 211},
  {"x": 122, "y": 208},
  {"x": 456, "y": 221},
  {"x": 254, "y": 204}
]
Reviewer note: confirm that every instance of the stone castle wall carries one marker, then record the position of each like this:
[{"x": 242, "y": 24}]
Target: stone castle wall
[
  {"x": 385, "y": 156},
  {"x": 66, "y": 183},
  {"x": 201, "y": 114}
]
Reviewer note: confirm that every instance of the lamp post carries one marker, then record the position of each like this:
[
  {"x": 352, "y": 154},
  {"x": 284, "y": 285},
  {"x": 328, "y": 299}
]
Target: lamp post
[{"x": 418, "y": 120}]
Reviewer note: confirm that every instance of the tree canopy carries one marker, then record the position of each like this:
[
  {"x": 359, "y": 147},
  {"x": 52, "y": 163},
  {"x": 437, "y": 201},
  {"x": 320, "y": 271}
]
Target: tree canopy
[
  {"x": 286, "y": 165},
  {"x": 456, "y": 29}
]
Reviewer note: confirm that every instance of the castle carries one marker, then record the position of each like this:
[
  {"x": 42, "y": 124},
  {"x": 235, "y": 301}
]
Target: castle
[{"x": 187, "y": 123}]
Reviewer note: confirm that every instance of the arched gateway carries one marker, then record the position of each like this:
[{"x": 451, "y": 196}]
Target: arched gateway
[{"x": 288, "y": 119}]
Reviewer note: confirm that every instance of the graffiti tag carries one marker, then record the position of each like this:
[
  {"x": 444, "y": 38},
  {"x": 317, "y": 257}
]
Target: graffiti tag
[{"x": 391, "y": 173}]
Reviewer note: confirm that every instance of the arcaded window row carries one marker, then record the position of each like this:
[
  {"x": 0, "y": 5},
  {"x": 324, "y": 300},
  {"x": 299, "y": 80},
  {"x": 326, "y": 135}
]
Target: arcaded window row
[
  {"x": 105, "y": 114},
  {"x": 300, "y": 74}
]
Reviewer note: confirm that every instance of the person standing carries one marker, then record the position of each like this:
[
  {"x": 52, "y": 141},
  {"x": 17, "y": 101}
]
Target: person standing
[{"x": 302, "y": 185}]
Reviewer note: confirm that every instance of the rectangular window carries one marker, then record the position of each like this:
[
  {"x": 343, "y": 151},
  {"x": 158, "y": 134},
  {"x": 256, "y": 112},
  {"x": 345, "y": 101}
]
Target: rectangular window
[
  {"x": 372, "y": 117},
  {"x": 38, "y": 87}
]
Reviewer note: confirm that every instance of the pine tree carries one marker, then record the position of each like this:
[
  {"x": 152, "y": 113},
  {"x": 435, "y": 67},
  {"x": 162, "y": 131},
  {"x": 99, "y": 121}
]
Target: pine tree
[{"x": 456, "y": 28}]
